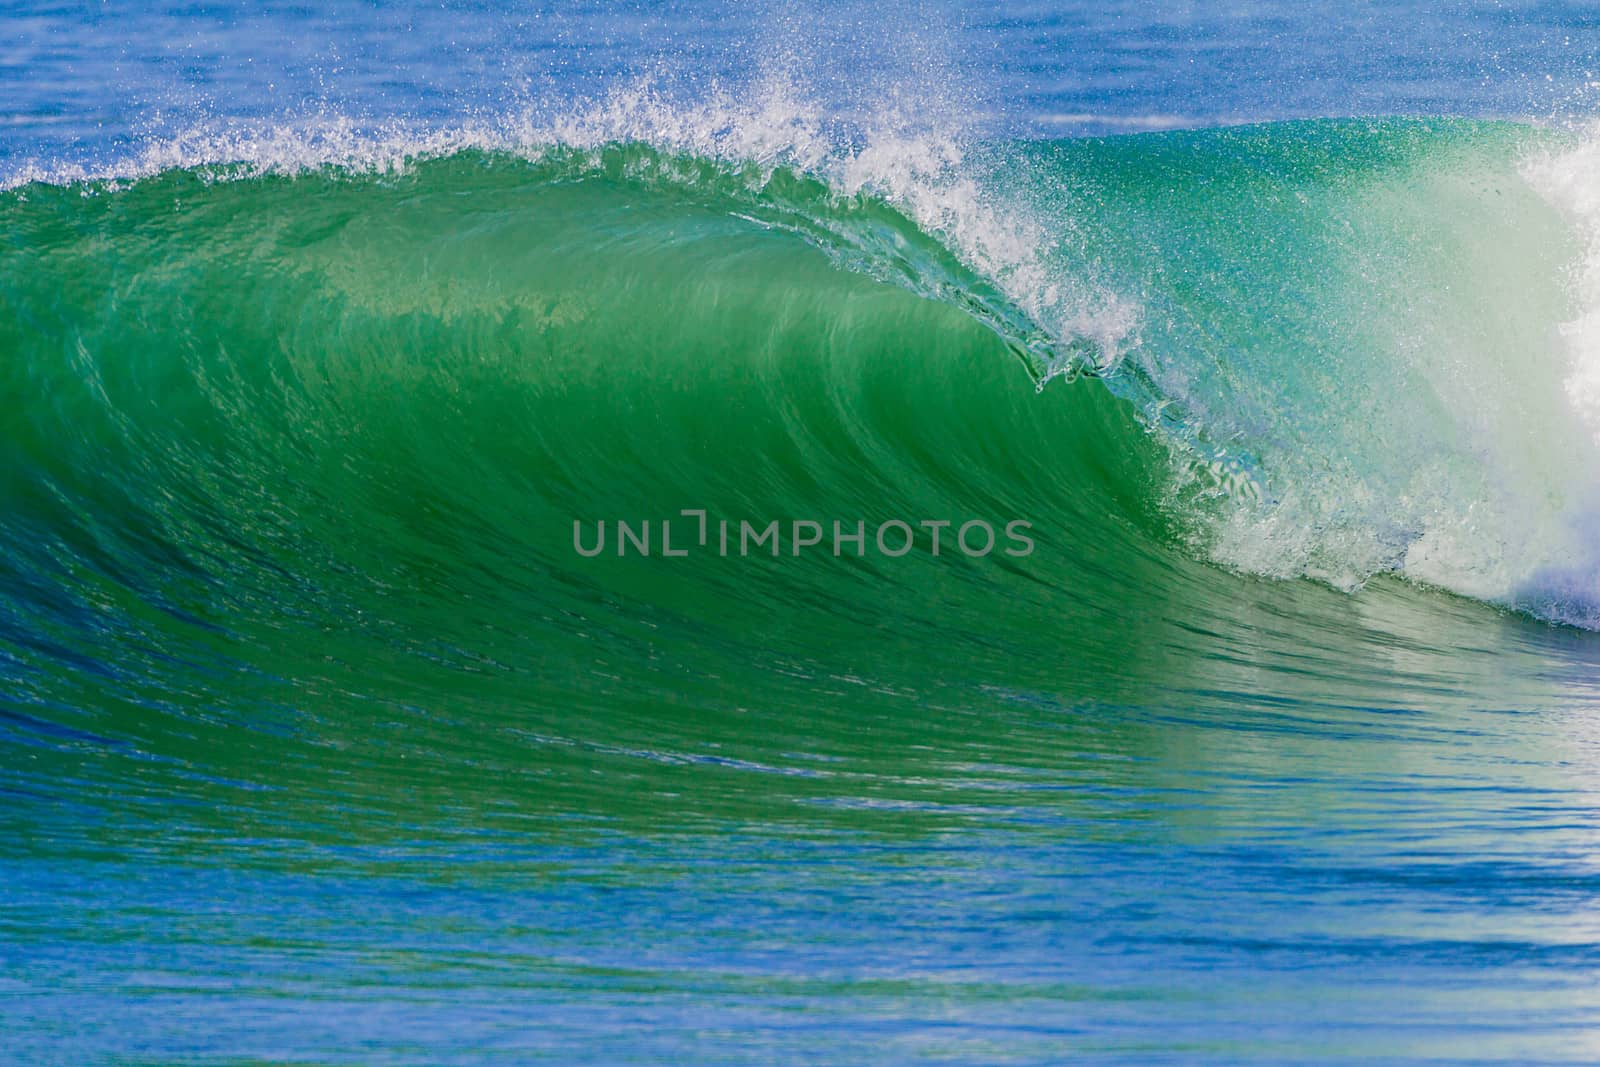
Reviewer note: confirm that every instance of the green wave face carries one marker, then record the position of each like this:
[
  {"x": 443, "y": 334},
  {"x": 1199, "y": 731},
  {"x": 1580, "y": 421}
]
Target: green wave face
[
  {"x": 322, "y": 442},
  {"x": 289, "y": 481}
]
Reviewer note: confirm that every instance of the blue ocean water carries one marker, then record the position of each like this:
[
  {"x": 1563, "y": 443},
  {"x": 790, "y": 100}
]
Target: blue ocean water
[
  {"x": 326, "y": 331},
  {"x": 81, "y": 79}
]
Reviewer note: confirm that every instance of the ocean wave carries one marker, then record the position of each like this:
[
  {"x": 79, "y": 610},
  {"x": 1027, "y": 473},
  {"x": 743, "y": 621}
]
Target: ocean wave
[{"x": 1361, "y": 346}]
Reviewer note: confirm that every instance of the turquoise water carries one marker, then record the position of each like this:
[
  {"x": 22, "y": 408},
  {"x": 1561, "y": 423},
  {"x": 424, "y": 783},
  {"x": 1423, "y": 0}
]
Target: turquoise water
[{"x": 1262, "y": 733}]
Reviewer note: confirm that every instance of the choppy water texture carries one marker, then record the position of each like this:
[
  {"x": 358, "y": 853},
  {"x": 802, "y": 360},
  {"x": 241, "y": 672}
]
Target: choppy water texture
[{"x": 319, "y": 742}]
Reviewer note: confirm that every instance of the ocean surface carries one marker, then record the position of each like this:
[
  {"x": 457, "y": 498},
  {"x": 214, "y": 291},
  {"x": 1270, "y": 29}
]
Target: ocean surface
[{"x": 469, "y": 480}]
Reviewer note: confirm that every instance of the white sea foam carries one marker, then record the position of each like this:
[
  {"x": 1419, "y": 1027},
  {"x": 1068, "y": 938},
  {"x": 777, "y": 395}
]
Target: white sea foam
[
  {"x": 1570, "y": 179},
  {"x": 1455, "y": 438}
]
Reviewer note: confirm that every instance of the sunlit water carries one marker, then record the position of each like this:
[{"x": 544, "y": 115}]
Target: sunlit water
[{"x": 323, "y": 742}]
